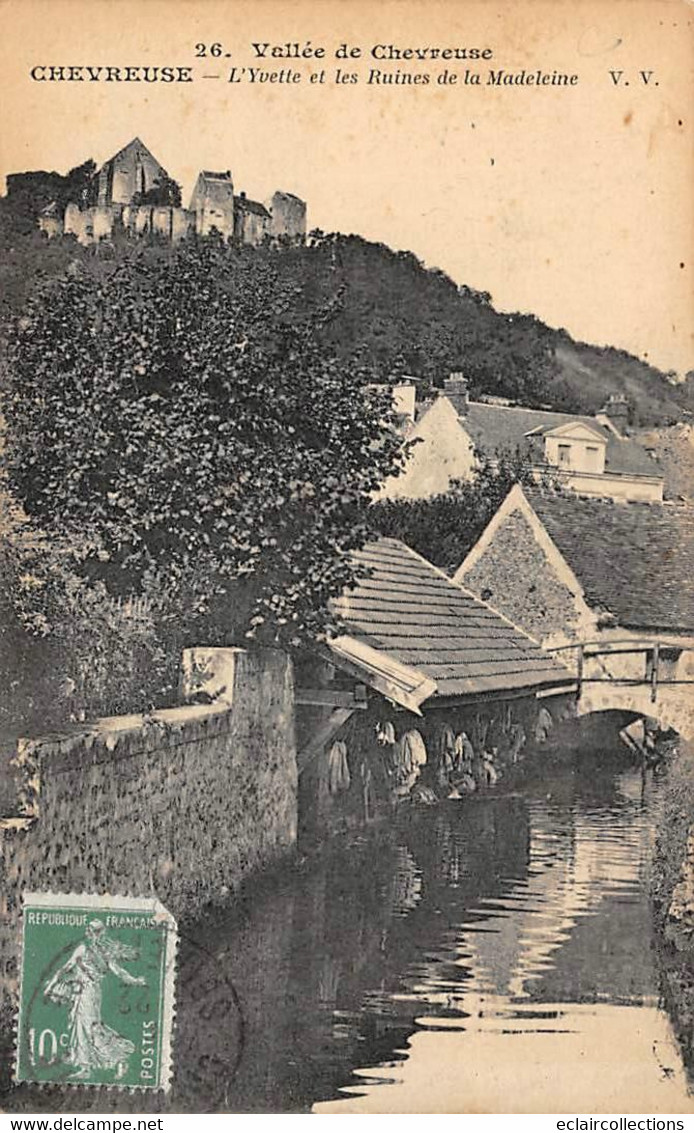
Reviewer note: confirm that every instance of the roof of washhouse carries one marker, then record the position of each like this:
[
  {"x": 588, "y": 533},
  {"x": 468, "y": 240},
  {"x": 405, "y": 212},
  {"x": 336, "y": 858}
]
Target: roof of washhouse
[{"x": 409, "y": 611}]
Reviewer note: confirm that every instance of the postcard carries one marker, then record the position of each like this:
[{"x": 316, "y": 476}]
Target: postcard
[{"x": 346, "y": 547}]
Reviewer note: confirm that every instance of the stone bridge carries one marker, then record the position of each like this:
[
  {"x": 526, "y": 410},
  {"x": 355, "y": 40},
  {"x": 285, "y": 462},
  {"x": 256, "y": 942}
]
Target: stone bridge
[{"x": 636, "y": 677}]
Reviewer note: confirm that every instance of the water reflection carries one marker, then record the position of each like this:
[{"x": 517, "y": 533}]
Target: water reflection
[{"x": 491, "y": 955}]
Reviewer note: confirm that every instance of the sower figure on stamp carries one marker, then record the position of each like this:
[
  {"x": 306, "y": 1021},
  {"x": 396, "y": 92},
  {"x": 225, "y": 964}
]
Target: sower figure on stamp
[{"x": 77, "y": 984}]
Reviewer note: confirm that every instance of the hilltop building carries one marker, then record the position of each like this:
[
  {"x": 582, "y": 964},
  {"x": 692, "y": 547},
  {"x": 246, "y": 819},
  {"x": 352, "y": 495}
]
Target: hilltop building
[
  {"x": 589, "y": 455},
  {"x": 130, "y": 191}
]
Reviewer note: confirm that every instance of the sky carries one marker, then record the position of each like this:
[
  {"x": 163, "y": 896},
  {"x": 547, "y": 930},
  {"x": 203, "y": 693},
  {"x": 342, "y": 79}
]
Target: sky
[{"x": 575, "y": 203}]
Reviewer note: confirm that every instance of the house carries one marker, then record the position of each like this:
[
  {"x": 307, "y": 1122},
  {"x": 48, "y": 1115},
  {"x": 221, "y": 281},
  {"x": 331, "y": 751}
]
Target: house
[
  {"x": 590, "y": 455},
  {"x": 610, "y": 574}
]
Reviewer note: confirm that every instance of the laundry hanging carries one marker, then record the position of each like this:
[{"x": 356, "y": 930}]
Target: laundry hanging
[
  {"x": 543, "y": 726},
  {"x": 385, "y": 733},
  {"x": 446, "y": 748},
  {"x": 339, "y": 778},
  {"x": 414, "y": 752}
]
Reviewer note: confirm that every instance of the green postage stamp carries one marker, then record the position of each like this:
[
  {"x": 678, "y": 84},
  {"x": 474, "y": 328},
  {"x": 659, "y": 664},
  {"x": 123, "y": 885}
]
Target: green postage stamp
[{"x": 97, "y": 991}]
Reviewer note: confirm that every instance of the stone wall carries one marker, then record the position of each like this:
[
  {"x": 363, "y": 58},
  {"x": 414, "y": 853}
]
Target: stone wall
[
  {"x": 515, "y": 577},
  {"x": 163, "y": 220},
  {"x": 288, "y": 215},
  {"x": 132, "y": 170},
  {"x": 183, "y": 805}
]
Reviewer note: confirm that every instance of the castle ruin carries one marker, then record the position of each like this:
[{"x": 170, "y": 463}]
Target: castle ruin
[{"x": 119, "y": 193}]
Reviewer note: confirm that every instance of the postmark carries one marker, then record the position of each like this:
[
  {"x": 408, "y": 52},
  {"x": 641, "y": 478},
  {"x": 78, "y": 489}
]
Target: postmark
[{"x": 97, "y": 991}]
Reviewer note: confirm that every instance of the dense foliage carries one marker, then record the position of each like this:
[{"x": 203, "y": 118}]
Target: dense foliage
[
  {"x": 179, "y": 423},
  {"x": 196, "y": 425},
  {"x": 29, "y": 193},
  {"x": 395, "y": 316},
  {"x": 674, "y": 825},
  {"x": 68, "y": 649},
  {"x": 445, "y": 528},
  {"x": 165, "y": 191}
]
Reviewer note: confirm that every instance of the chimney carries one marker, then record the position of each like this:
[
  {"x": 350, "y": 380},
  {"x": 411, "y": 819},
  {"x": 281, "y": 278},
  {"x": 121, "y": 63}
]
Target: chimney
[
  {"x": 616, "y": 409},
  {"x": 455, "y": 388}
]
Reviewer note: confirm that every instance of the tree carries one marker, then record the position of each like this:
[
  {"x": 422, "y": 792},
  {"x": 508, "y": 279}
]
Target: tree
[
  {"x": 165, "y": 191},
  {"x": 80, "y": 185},
  {"x": 446, "y": 527},
  {"x": 178, "y": 421},
  {"x": 29, "y": 193}
]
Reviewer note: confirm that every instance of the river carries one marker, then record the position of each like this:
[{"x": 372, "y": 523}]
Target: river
[
  {"x": 490, "y": 955},
  {"x": 494, "y": 954}
]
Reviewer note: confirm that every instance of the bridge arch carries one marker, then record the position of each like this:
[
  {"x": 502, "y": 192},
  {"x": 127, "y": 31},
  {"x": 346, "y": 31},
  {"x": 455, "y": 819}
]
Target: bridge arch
[
  {"x": 642, "y": 676},
  {"x": 672, "y": 708}
]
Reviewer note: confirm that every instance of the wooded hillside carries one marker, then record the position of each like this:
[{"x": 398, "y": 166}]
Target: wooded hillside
[{"x": 394, "y": 316}]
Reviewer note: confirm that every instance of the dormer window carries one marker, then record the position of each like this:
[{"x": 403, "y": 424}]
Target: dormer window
[{"x": 564, "y": 453}]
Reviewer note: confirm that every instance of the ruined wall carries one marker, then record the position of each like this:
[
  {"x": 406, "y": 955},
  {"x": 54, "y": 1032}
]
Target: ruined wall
[
  {"x": 515, "y": 577},
  {"x": 251, "y": 227},
  {"x": 89, "y": 225},
  {"x": 51, "y": 225},
  {"x": 182, "y": 222},
  {"x": 131, "y": 171},
  {"x": 183, "y": 805},
  {"x": 103, "y": 221},
  {"x": 288, "y": 215},
  {"x": 75, "y": 222}
]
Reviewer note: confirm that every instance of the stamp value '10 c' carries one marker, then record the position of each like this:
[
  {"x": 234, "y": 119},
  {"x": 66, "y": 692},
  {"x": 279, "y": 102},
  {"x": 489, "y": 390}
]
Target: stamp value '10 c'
[{"x": 97, "y": 991}]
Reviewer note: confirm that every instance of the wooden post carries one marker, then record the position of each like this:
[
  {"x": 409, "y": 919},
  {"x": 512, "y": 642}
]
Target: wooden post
[
  {"x": 654, "y": 672},
  {"x": 579, "y": 668},
  {"x": 322, "y": 736}
]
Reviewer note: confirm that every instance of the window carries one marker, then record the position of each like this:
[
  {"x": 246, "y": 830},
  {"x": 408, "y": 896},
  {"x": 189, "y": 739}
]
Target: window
[
  {"x": 593, "y": 458},
  {"x": 564, "y": 456}
]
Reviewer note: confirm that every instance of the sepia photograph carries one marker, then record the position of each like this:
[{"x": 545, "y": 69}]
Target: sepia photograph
[{"x": 347, "y": 560}]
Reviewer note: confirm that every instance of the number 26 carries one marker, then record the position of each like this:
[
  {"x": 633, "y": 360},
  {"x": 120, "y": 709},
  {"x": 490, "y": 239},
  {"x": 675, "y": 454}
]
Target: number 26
[{"x": 202, "y": 50}]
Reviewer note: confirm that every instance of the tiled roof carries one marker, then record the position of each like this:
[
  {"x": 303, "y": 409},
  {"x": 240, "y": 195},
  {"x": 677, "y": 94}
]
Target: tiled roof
[
  {"x": 634, "y": 559},
  {"x": 246, "y": 204},
  {"x": 411, "y": 611},
  {"x": 503, "y": 429}
]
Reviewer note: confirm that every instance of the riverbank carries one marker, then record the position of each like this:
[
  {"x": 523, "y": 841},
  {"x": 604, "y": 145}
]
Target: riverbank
[{"x": 677, "y": 964}]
